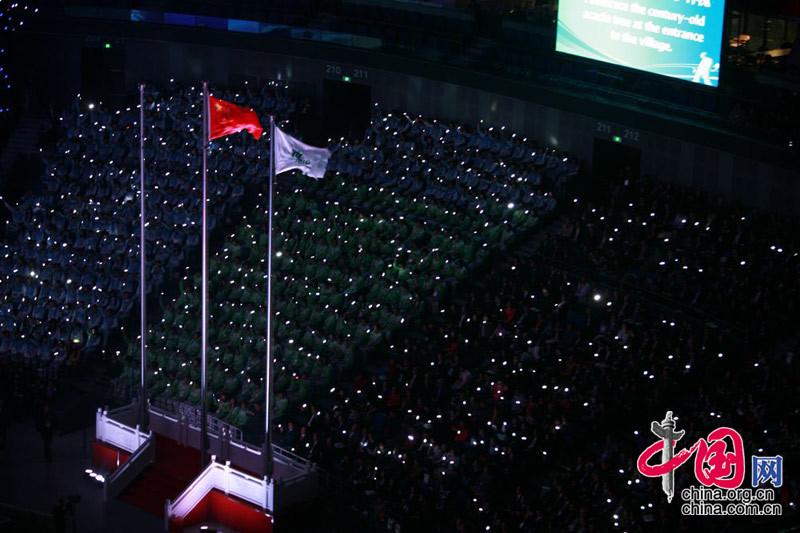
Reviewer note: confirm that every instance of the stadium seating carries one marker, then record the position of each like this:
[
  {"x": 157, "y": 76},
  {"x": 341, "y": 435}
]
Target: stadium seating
[
  {"x": 687, "y": 247},
  {"x": 357, "y": 254},
  {"x": 458, "y": 364},
  {"x": 524, "y": 404},
  {"x": 70, "y": 261}
]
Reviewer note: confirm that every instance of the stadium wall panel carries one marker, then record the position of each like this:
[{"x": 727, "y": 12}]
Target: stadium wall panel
[{"x": 740, "y": 169}]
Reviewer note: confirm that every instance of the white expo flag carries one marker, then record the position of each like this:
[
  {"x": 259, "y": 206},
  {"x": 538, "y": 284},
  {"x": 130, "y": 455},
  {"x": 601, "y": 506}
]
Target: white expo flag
[{"x": 292, "y": 154}]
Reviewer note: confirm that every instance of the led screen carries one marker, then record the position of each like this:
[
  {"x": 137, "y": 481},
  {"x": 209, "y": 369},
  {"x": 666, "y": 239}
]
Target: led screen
[{"x": 676, "y": 38}]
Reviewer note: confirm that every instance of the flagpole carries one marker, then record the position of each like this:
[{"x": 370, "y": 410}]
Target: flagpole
[
  {"x": 204, "y": 306},
  {"x": 268, "y": 465},
  {"x": 142, "y": 264}
]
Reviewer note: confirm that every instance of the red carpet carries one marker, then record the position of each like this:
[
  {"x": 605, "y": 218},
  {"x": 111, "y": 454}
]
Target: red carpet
[
  {"x": 175, "y": 467},
  {"x": 229, "y": 511},
  {"x": 105, "y": 456}
]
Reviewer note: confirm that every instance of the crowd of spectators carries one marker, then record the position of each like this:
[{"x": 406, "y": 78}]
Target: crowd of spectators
[
  {"x": 515, "y": 403},
  {"x": 69, "y": 270},
  {"x": 422, "y": 356},
  {"x": 524, "y": 404},
  {"x": 730, "y": 263},
  {"x": 398, "y": 220}
]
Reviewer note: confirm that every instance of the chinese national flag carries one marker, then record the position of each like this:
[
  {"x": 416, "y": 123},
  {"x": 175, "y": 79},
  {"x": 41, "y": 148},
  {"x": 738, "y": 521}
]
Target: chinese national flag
[{"x": 226, "y": 118}]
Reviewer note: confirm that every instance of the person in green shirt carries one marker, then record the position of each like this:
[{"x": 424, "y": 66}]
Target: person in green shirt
[
  {"x": 316, "y": 369},
  {"x": 227, "y": 358},
  {"x": 157, "y": 384},
  {"x": 304, "y": 314},
  {"x": 193, "y": 346},
  {"x": 249, "y": 388},
  {"x": 239, "y": 415},
  {"x": 216, "y": 402},
  {"x": 255, "y": 363},
  {"x": 231, "y": 384},
  {"x": 184, "y": 367},
  {"x": 225, "y": 407},
  {"x": 281, "y": 405},
  {"x": 182, "y": 392},
  {"x": 194, "y": 371},
  {"x": 239, "y": 360},
  {"x": 174, "y": 364},
  {"x": 195, "y": 394},
  {"x": 328, "y": 373},
  {"x": 216, "y": 377},
  {"x": 282, "y": 380},
  {"x": 349, "y": 358}
]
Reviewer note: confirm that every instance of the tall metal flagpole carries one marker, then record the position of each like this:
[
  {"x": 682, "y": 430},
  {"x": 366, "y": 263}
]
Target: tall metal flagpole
[
  {"x": 142, "y": 264},
  {"x": 204, "y": 311},
  {"x": 268, "y": 465}
]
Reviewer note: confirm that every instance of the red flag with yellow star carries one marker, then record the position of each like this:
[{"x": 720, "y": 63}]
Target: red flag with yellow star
[{"x": 226, "y": 118}]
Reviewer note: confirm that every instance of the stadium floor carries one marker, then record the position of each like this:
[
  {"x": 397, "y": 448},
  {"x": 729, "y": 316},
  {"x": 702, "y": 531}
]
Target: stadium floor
[{"x": 30, "y": 483}]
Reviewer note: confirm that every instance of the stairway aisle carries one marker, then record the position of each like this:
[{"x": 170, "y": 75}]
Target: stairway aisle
[{"x": 175, "y": 467}]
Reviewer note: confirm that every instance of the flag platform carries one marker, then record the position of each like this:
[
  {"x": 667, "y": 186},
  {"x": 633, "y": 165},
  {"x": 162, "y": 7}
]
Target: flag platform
[
  {"x": 267, "y": 477},
  {"x": 161, "y": 471}
]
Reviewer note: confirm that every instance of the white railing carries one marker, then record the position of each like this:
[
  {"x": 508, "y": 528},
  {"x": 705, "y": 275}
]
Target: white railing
[
  {"x": 162, "y": 413},
  {"x": 170, "y": 419},
  {"x": 122, "y": 410},
  {"x": 193, "y": 416},
  {"x": 118, "y": 434},
  {"x": 130, "y": 469},
  {"x": 279, "y": 454},
  {"x": 292, "y": 459},
  {"x": 226, "y": 479}
]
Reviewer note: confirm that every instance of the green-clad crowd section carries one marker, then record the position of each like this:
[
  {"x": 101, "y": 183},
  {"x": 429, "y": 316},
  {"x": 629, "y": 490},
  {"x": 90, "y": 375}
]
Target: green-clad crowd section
[{"x": 353, "y": 262}]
